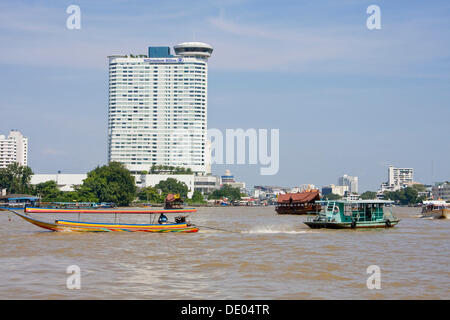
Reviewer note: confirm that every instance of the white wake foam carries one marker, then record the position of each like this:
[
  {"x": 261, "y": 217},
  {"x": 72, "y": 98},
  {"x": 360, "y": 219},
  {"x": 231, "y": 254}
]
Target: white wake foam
[{"x": 274, "y": 229}]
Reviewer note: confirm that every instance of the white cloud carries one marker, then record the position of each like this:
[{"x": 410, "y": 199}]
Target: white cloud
[
  {"x": 396, "y": 49},
  {"x": 37, "y": 36}
]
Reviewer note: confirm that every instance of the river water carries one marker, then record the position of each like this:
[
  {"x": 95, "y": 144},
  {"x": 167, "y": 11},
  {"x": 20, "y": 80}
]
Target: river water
[{"x": 267, "y": 256}]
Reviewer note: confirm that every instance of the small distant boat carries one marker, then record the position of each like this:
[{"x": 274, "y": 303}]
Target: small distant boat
[
  {"x": 351, "y": 214},
  {"x": 298, "y": 203},
  {"x": 436, "y": 209},
  {"x": 173, "y": 201},
  {"x": 180, "y": 225}
]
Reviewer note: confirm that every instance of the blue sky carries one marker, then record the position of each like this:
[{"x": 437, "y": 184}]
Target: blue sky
[{"x": 346, "y": 99}]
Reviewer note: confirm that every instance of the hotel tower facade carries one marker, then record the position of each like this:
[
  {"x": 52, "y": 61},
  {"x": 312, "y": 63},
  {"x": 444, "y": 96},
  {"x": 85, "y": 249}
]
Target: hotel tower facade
[
  {"x": 158, "y": 108},
  {"x": 13, "y": 148}
]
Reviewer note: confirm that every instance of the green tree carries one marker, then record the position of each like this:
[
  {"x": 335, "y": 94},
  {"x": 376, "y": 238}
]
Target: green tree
[
  {"x": 109, "y": 183},
  {"x": 332, "y": 196},
  {"x": 15, "y": 178},
  {"x": 404, "y": 196},
  {"x": 171, "y": 185},
  {"x": 410, "y": 195},
  {"x": 48, "y": 191},
  {"x": 369, "y": 195},
  {"x": 226, "y": 191},
  {"x": 150, "y": 194},
  {"x": 419, "y": 187},
  {"x": 197, "y": 197}
]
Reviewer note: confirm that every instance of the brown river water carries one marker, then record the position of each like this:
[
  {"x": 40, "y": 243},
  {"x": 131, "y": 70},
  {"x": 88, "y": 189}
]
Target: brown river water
[{"x": 267, "y": 256}]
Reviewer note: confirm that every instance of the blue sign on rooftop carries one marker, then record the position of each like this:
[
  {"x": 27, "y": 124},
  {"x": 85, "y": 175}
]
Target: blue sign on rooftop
[{"x": 159, "y": 52}]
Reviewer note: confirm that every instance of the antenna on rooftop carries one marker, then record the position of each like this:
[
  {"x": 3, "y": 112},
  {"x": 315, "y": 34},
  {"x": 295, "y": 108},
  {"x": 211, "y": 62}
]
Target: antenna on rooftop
[{"x": 432, "y": 173}]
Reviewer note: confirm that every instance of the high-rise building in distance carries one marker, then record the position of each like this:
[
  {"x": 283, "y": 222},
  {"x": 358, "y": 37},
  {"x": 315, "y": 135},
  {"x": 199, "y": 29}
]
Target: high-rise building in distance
[
  {"x": 13, "y": 148},
  {"x": 158, "y": 108},
  {"x": 351, "y": 182},
  {"x": 397, "y": 177}
]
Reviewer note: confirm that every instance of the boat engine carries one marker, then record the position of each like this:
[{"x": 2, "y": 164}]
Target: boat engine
[{"x": 180, "y": 219}]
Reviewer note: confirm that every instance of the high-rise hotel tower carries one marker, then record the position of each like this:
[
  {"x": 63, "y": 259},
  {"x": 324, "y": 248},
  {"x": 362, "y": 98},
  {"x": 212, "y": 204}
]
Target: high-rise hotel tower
[
  {"x": 158, "y": 108},
  {"x": 13, "y": 148}
]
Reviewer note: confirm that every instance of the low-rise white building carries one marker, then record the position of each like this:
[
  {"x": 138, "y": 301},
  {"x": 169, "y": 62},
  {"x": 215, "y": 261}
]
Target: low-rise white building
[
  {"x": 206, "y": 184},
  {"x": 352, "y": 196},
  {"x": 150, "y": 180},
  {"x": 65, "y": 182}
]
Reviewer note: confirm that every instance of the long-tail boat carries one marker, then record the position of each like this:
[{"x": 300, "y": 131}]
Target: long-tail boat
[
  {"x": 180, "y": 225},
  {"x": 113, "y": 211},
  {"x": 298, "y": 203},
  {"x": 343, "y": 214}
]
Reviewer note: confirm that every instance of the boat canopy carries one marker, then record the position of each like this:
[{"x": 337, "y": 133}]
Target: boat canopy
[
  {"x": 435, "y": 203},
  {"x": 310, "y": 196}
]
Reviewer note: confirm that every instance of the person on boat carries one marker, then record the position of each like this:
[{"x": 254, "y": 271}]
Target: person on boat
[{"x": 162, "y": 218}]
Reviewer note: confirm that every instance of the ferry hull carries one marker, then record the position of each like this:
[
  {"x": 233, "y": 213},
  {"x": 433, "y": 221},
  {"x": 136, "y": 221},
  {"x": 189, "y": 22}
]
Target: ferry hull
[
  {"x": 296, "y": 210},
  {"x": 437, "y": 214},
  {"x": 76, "y": 226},
  {"x": 348, "y": 225}
]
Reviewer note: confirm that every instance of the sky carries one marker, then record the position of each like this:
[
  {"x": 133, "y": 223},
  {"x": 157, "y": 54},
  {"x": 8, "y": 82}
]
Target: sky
[{"x": 346, "y": 99}]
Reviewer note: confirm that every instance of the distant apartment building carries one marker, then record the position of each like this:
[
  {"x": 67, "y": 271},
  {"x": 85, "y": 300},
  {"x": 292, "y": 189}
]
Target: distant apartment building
[
  {"x": 398, "y": 178},
  {"x": 351, "y": 182},
  {"x": 339, "y": 190},
  {"x": 158, "y": 108},
  {"x": 268, "y": 192},
  {"x": 441, "y": 191},
  {"x": 228, "y": 179},
  {"x": 302, "y": 188},
  {"x": 206, "y": 184},
  {"x": 13, "y": 148}
]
